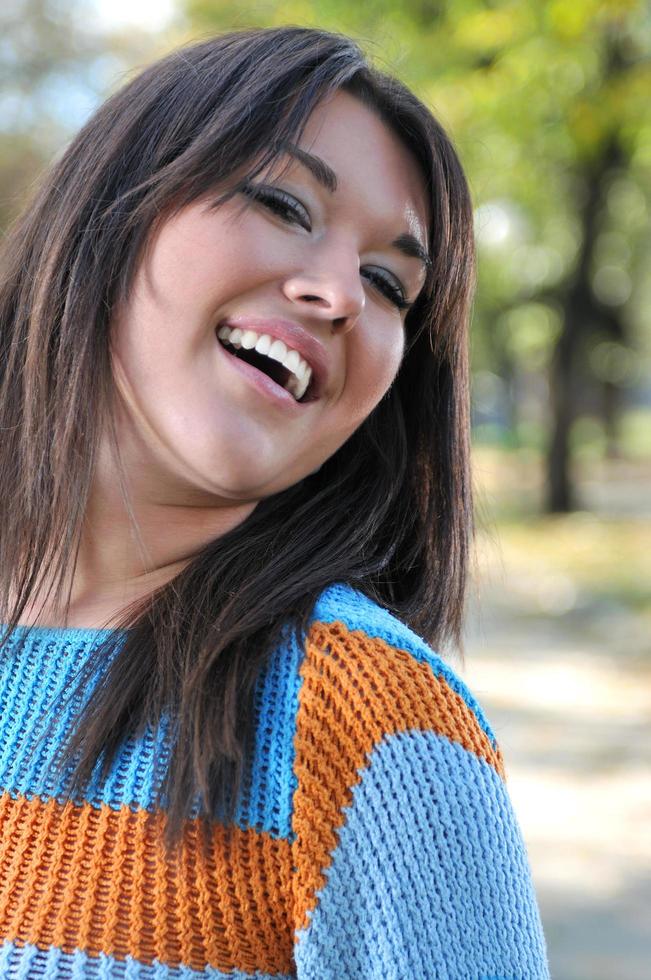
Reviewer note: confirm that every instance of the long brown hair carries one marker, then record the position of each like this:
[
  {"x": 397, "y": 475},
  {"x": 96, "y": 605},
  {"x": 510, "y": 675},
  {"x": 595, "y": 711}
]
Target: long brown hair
[{"x": 389, "y": 513}]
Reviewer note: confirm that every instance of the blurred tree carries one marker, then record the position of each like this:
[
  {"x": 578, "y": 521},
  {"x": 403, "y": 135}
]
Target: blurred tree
[
  {"x": 548, "y": 103},
  {"x": 593, "y": 311},
  {"x": 56, "y": 64}
]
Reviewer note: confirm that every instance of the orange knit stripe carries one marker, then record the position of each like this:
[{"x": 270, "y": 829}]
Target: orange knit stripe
[
  {"x": 356, "y": 690},
  {"x": 99, "y": 880}
]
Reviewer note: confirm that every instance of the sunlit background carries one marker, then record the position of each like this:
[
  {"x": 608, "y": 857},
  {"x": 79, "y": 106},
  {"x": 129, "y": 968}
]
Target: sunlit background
[{"x": 548, "y": 104}]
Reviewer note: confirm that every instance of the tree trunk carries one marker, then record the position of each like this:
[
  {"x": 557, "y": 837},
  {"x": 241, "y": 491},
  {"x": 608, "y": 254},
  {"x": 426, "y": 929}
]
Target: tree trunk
[{"x": 581, "y": 313}]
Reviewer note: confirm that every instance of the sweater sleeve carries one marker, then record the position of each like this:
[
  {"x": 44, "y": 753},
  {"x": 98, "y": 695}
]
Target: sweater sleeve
[{"x": 408, "y": 857}]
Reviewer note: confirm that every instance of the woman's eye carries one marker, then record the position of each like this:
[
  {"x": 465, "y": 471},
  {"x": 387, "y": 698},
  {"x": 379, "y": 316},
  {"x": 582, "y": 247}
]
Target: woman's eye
[
  {"x": 284, "y": 205},
  {"x": 391, "y": 288},
  {"x": 287, "y": 207}
]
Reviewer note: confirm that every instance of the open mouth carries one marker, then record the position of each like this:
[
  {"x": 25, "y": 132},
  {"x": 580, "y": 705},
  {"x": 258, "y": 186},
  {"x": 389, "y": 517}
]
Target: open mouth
[{"x": 284, "y": 366}]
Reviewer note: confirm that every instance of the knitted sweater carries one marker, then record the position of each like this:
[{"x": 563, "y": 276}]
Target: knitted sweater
[{"x": 374, "y": 836}]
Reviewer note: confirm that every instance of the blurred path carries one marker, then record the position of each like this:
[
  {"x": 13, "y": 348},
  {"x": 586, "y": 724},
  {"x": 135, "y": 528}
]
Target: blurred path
[{"x": 565, "y": 680}]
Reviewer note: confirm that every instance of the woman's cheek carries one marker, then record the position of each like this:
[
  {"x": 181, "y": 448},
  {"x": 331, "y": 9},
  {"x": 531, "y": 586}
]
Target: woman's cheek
[
  {"x": 247, "y": 252},
  {"x": 374, "y": 365},
  {"x": 204, "y": 259}
]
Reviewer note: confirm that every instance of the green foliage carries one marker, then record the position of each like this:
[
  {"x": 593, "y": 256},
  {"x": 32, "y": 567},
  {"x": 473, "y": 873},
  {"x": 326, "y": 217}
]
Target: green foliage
[{"x": 55, "y": 68}]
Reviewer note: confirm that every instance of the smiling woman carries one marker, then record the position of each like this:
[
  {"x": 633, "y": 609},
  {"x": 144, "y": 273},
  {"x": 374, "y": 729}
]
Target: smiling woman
[
  {"x": 258, "y": 338},
  {"x": 235, "y": 523}
]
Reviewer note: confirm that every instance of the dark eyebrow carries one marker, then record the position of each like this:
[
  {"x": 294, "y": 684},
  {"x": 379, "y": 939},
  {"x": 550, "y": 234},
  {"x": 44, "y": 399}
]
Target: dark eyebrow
[
  {"x": 405, "y": 243},
  {"x": 318, "y": 167},
  {"x": 410, "y": 246}
]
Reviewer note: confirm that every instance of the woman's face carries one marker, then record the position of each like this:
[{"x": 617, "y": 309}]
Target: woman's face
[{"x": 306, "y": 265}]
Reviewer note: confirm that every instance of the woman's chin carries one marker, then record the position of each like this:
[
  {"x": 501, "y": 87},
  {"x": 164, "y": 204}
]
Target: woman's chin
[{"x": 244, "y": 481}]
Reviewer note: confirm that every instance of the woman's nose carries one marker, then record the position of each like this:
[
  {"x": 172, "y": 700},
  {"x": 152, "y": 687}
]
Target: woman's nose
[{"x": 335, "y": 294}]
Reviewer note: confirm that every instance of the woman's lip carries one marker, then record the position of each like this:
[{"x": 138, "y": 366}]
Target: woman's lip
[
  {"x": 293, "y": 335},
  {"x": 275, "y": 393}
]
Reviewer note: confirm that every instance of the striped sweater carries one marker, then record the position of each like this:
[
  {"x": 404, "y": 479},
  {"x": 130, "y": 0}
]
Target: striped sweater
[{"x": 374, "y": 836}]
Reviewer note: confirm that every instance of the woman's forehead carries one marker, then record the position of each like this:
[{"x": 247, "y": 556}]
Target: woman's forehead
[{"x": 369, "y": 163}]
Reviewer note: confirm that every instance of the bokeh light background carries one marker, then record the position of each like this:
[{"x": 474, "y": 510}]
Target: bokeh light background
[{"x": 548, "y": 104}]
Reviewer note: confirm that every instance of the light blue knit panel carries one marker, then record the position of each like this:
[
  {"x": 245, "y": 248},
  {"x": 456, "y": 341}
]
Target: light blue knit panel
[
  {"x": 28, "y": 962},
  {"x": 430, "y": 879}
]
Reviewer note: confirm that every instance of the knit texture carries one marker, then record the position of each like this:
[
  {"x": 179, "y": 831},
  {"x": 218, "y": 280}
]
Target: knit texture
[{"x": 373, "y": 837}]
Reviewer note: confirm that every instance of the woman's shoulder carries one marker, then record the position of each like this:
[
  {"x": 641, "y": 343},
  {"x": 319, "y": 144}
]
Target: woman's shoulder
[
  {"x": 402, "y": 828},
  {"x": 381, "y": 674}
]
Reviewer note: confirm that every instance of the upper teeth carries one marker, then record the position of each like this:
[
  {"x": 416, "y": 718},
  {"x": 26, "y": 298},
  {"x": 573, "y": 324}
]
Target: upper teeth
[{"x": 300, "y": 372}]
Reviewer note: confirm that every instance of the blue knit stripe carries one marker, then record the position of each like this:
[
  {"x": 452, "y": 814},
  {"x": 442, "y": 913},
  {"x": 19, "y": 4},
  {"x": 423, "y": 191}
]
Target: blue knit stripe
[
  {"x": 430, "y": 877},
  {"x": 267, "y": 798},
  {"x": 36, "y": 676},
  {"x": 341, "y": 603},
  {"x": 71, "y": 634},
  {"x": 35, "y": 679},
  {"x": 53, "y": 964}
]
